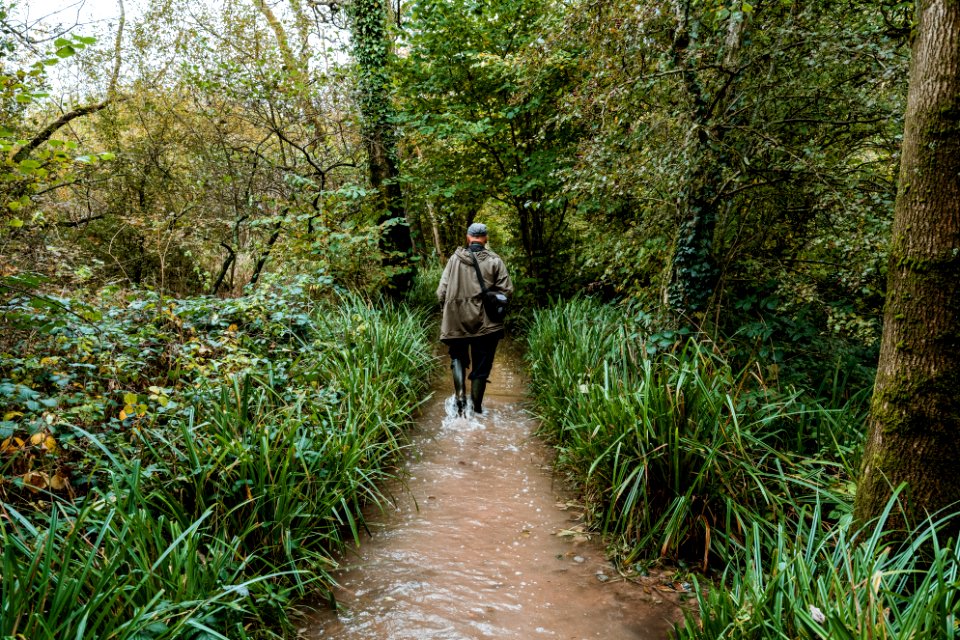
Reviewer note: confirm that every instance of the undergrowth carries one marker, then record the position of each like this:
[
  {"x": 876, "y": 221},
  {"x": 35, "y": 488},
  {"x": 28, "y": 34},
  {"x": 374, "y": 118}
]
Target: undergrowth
[
  {"x": 683, "y": 458},
  {"x": 203, "y": 486}
]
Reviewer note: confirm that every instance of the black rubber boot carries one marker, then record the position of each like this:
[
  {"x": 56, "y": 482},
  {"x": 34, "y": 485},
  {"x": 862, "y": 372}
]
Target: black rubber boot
[
  {"x": 477, "y": 388},
  {"x": 459, "y": 386}
]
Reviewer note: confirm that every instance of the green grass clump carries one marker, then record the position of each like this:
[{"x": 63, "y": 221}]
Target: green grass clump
[
  {"x": 212, "y": 517},
  {"x": 680, "y": 456},
  {"x": 423, "y": 294},
  {"x": 812, "y": 581},
  {"x": 106, "y": 570}
]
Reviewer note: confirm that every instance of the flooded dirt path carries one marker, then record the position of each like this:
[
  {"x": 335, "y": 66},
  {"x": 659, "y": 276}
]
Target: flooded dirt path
[{"x": 484, "y": 543}]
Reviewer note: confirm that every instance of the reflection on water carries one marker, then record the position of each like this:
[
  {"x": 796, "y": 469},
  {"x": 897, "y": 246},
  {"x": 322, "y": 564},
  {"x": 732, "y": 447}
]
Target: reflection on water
[{"x": 470, "y": 547}]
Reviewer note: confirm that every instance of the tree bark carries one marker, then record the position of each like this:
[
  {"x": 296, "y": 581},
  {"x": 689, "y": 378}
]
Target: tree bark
[
  {"x": 693, "y": 275},
  {"x": 915, "y": 413}
]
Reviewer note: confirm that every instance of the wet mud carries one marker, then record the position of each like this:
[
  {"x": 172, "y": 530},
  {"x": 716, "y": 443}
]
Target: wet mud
[{"x": 483, "y": 541}]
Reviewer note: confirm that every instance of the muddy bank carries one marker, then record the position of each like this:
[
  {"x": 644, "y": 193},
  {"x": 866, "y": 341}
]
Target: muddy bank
[{"x": 484, "y": 542}]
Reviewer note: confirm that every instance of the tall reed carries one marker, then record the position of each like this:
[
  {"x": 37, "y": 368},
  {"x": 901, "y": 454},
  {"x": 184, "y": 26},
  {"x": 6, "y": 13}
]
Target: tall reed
[{"x": 682, "y": 456}]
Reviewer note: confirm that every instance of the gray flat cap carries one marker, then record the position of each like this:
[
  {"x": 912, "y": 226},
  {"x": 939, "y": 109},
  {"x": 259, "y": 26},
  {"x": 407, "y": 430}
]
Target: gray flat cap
[{"x": 477, "y": 230}]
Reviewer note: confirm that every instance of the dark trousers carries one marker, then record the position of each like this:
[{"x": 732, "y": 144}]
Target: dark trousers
[{"x": 482, "y": 348}]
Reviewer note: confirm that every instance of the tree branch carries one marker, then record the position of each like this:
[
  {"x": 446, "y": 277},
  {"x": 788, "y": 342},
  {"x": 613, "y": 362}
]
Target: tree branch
[
  {"x": 77, "y": 223},
  {"x": 117, "y": 57},
  {"x": 23, "y": 152}
]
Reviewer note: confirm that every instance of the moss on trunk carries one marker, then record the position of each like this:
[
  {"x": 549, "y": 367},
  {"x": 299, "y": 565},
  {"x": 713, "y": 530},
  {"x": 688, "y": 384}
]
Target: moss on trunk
[{"x": 915, "y": 415}]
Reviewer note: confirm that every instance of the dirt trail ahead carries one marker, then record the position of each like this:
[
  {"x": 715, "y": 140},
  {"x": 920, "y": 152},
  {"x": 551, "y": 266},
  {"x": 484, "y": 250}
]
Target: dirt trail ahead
[{"x": 482, "y": 543}]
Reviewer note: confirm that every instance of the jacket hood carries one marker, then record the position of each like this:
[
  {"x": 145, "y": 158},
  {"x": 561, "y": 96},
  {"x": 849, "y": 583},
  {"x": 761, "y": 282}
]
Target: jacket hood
[{"x": 464, "y": 255}]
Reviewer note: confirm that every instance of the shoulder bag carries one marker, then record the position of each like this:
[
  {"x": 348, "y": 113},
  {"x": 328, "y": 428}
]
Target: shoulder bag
[{"x": 494, "y": 303}]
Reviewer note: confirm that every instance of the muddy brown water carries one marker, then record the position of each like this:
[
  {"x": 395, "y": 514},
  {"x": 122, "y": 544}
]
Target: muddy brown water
[{"x": 483, "y": 541}]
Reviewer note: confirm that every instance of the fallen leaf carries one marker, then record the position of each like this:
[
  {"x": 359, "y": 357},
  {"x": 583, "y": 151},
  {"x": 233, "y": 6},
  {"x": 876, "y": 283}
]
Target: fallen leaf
[
  {"x": 58, "y": 482},
  {"x": 35, "y": 480}
]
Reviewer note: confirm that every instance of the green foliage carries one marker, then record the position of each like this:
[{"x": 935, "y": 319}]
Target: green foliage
[
  {"x": 732, "y": 149},
  {"x": 31, "y": 163},
  {"x": 236, "y": 164},
  {"x": 835, "y": 583},
  {"x": 423, "y": 294},
  {"x": 229, "y": 443},
  {"x": 680, "y": 454},
  {"x": 478, "y": 95}
]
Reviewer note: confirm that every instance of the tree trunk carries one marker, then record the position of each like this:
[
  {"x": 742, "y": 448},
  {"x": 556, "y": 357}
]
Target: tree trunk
[
  {"x": 693, "y": 274},
  {"x": 694, "y": 268},
  {"x": 225, "y": 269},
  {"x": 915, "y": 415},
  {"x": 261, "y": 263},
  {"x": 370, "y": 47}
]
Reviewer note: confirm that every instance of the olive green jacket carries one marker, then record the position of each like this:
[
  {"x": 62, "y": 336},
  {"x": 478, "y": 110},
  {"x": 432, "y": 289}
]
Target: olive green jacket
[{"x": 461, "y": 297}]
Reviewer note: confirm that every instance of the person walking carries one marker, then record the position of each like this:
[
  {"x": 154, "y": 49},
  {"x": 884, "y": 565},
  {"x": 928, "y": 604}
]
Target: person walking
[{"x": 467, "y": 329}]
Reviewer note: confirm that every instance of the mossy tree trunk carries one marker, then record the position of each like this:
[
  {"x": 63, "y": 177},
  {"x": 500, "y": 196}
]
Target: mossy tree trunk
[
  {"x": 694, "y": 273},
  {"x": 371, "y": 51},
  {"x": 914, "y": 427}
]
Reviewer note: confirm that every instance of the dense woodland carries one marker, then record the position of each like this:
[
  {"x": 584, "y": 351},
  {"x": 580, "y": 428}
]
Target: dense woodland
[{"x": 221, "y": 225}]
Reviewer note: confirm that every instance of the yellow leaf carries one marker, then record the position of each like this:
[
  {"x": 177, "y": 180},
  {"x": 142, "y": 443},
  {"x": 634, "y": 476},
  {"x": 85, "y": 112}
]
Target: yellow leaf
[
  {"x": 10, "y": 415},
  {"x": 50, "y": 444},
  {"x": 37, "y": 438},
  {"x": 123, "y": 414},
  {"x": 232, "y": 328},
  {"x": 130, "y": 398},
  {"x": 6, "y": 445}
]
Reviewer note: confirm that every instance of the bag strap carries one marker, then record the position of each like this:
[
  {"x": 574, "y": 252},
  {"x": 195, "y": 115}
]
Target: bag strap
[{"x": 476, "y": 266}]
